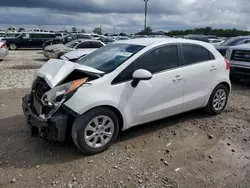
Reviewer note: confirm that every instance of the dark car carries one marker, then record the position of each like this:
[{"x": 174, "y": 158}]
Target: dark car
[
  {"x": 234, "y": 41},
  {"x": 28, "y": 40},
  {"x": 197, "y": 37},
  {"x": 66, "y": 39}
]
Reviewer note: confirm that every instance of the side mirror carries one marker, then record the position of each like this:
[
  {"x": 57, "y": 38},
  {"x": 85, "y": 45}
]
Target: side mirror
[{"x": 140, "y": 74}]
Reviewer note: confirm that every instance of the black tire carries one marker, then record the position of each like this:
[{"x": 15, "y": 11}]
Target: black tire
[
  {"x": 210, "y": 107},
  {"x": 59, "y": 55},
  {"x": 13, "y": 46},
  {"x": 81, "y": 123}
]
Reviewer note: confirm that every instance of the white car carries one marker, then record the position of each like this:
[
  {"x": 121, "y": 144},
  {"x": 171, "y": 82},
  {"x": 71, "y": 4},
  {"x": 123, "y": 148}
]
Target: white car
[
  {"x": 3, "y": 50},
  {"x": 216, "y": 41},
  {"x": 57, "y": 50},
  {"x": 124, "y": 84},
  {"x": 76, "y": 54}
]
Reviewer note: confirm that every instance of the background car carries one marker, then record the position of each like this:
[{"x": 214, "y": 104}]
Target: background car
[
  {"x": 215, "y": 41},
  {"x": 57, "y": 50},
  {"x": 74, "y": 55},
  {"x": 66, "y": 39},
  {"x": 28, "y": 40},
  {"x": 124, "y": 84},
  {"x": 234, "y": 41},
  {"x": 3, "y": 50},
  {"x": 239, "y": 57}
]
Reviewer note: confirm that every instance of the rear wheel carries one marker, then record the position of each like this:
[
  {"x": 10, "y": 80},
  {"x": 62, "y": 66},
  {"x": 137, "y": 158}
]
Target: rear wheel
[
  {"x": 218, "y": 100},
  {"x": 13, "y": 46},
  {"x": 94, "y": 131}
]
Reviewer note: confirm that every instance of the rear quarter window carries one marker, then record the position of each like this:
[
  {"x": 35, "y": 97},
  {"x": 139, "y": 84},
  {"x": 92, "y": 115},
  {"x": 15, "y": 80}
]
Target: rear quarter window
[{"x": 195, "y": 54}]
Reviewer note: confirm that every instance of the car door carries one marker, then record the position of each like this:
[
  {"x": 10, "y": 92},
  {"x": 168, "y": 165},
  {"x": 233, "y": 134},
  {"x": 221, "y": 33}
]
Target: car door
[
  {"x": 200, "y": 69},
  {"x": 159, "y": 97},
  {"x": 24, "y": 41}
]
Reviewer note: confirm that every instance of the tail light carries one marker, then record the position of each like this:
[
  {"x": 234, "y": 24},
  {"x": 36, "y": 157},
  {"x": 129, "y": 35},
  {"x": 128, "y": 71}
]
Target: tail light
[
  {"x": 227, "y": 64},
  {"x": 3, "y": 46}
]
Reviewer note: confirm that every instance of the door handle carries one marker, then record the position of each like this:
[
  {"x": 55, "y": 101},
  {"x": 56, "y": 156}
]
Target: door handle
[
  {"x": 213, "y": 68},
  {"x": 177, "y": 78}
]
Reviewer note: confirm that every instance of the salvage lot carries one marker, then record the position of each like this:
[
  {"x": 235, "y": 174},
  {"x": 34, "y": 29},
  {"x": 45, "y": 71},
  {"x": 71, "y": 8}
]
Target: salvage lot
[{"x": 188, "y": 150}]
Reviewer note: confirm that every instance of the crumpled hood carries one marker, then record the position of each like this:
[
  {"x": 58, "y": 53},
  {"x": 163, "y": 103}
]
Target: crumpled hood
[
  {"x": 56, "y": 70},
  {"x": 75, "y": 54},
  {"x": 56, "y": 46}
]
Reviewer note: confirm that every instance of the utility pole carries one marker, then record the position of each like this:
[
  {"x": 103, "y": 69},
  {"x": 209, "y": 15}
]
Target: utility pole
[{"x": 146, "y": 9}]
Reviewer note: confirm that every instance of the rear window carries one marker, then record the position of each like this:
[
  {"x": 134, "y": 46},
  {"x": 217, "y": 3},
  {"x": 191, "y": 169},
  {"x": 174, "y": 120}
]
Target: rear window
[{"x": 195, "y": 54}]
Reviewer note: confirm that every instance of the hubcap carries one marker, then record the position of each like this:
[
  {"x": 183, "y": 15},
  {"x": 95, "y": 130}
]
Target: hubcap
[
  {"x": 99, "y": 131},
  {"x": 12, "y": 46},
  {"x": 219, "y": 99}
]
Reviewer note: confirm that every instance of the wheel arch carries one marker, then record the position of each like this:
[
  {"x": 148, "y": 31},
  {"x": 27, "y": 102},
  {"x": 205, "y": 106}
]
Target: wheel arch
[{"x": 115, "y": 110}]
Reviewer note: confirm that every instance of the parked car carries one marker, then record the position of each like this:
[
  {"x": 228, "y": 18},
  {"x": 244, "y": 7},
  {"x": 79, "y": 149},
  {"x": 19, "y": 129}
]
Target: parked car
[
  {"x": 197, "y": 37},
  {"x": 239, "y": 57},
  {"x": 28, "y": 40},
  {"x": 3, "y": 50},
  {"x": 215, "y": 41},
  {"x": 74, "y": 55},
  {"x": 66, "y": 39},
  {"x": 106, "y": 39},
  {"x": 234, "y": 41},
  {"x": 57, "y": 50},
  {"x": 122, "y": 85}
]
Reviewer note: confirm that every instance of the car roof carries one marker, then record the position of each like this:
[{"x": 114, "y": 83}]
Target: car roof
[
  {"x": 86, "y": 40},
  {"x": 151, "y": 41}
]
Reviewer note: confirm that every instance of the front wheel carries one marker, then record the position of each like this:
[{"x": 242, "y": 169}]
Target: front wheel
[
  {"x": 218, "y": 100},
  {"x": 94, "y": 131}
]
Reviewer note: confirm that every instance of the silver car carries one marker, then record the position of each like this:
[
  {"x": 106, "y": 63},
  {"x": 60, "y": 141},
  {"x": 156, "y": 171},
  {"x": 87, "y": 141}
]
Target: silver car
[
  {"x": 3, "y": 50},
  {"x": 57, "y": 50}
]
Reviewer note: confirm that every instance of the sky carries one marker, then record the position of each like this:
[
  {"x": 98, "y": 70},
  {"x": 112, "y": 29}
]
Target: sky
[{"x": 124, "y": 15}]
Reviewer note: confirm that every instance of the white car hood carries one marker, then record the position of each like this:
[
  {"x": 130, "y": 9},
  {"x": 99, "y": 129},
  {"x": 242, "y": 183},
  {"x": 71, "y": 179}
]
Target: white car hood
[
  {"x": 56, "y": 70},
  {"x": 75, "y": 54}
]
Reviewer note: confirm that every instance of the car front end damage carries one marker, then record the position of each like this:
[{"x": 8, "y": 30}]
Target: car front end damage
[{"x": 44, "y": 108}]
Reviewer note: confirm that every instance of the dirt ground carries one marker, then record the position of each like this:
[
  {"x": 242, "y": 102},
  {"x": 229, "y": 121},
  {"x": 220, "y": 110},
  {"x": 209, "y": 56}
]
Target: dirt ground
[{"x": 192, "y": 150}]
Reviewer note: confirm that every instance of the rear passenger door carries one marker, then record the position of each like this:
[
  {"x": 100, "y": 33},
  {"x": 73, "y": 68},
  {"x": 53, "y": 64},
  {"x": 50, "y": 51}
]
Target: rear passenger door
[{"x": 200, "y": 70}]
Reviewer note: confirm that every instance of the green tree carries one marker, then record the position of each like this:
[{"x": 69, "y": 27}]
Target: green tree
[
  {"x": 21, "y": 29},
  {"x": 83, "y": 31},
  {"x": 97, "y": 30},
  {"x": 74, "y": 29},
  {"x": 148, "y": 30}
]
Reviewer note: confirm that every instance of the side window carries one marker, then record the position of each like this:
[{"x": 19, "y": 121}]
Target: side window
[
  {"x": 26, "y": 36},
  {"x": 154, "y": 61},
  {"x": 159, "y": 59},
  {"x": 84, "y": 45},
  {"x": 96, "y": 44},
  {"x": 195, "y": 54}
]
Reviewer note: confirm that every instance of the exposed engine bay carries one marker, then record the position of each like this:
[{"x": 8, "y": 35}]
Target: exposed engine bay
[{"x": 51, "y": 99}]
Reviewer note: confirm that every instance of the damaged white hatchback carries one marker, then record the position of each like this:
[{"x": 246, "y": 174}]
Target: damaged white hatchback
[{"x": 124, "y": 84}]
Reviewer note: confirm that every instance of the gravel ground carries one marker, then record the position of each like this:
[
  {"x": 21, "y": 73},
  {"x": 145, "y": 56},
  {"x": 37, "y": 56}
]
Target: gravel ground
[
  {"x": 186, "y": 151},
  {"x": 18, "y": 68}
]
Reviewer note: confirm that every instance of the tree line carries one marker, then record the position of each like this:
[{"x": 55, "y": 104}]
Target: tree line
[{"x": 203, "y": 31}]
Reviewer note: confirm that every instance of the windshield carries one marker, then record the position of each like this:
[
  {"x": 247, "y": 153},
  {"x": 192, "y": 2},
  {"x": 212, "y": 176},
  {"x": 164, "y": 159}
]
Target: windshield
[
  {"x": 72, "y": 44},
  {"x": 233, "y": 42},
  {"x": 110, "y": 57}
]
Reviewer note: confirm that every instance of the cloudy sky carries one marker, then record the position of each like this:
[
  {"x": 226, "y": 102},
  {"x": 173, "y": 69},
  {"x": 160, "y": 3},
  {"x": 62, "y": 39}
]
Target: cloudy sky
[{"x": 127, "y": 15}]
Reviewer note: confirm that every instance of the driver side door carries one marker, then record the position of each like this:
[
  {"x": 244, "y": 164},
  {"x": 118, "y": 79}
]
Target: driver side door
[{"x": 159, "y": 97}]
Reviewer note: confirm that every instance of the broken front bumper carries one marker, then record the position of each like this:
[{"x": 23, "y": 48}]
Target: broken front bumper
[{"x": 53, "y": 128}]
